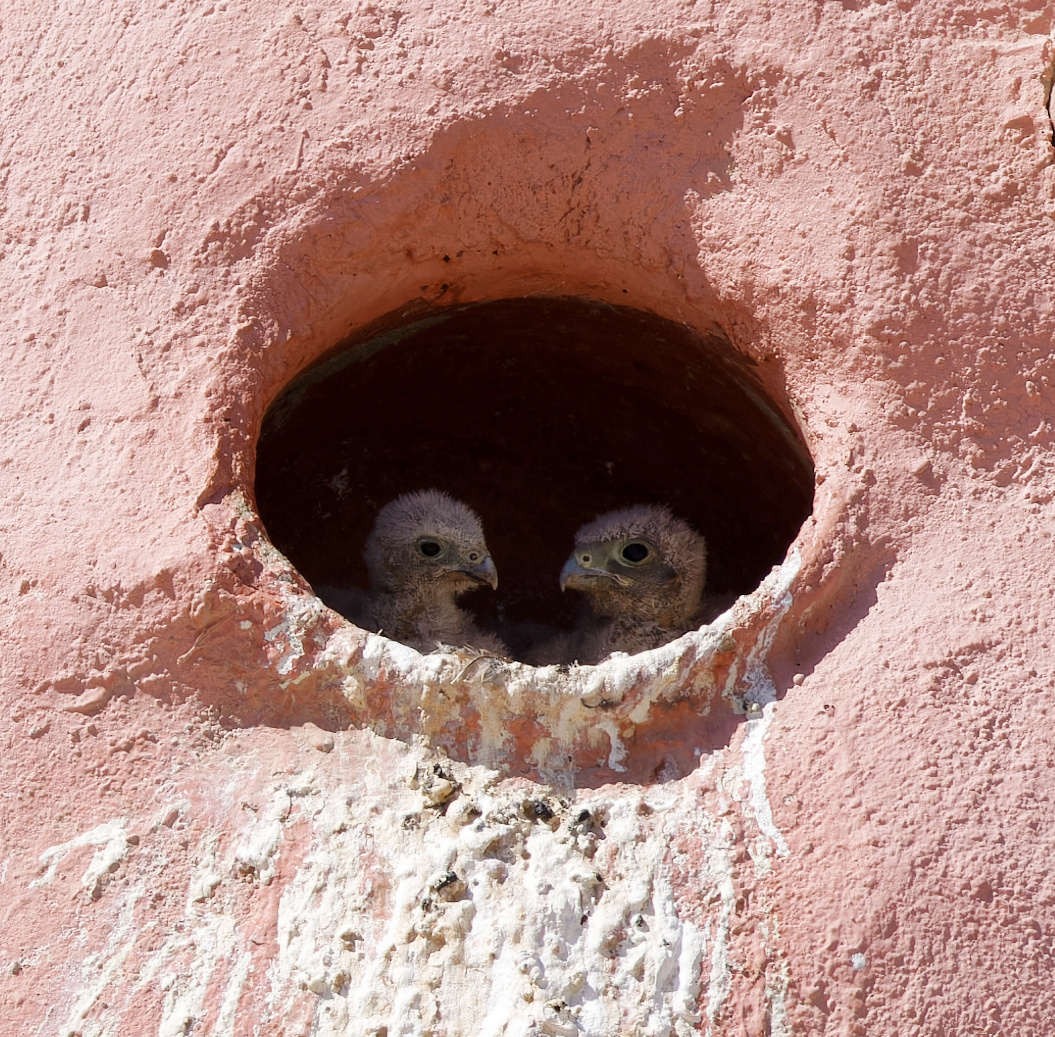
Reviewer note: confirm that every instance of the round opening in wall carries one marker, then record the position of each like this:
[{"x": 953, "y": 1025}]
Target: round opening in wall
[{"x": 538, "y": 414}]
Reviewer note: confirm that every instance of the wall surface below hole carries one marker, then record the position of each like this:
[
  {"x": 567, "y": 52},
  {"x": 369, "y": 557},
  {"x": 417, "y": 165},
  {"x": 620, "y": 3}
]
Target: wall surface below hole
[
  {"x": 540, "y": 414},
  {"x": 205, "y": 831}
]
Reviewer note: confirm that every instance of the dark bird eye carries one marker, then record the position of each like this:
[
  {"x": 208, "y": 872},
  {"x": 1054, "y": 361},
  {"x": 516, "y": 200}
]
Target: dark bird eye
[
  {"x": 634, "y": 552},
  {"x": 429, "y": 548},
  {"x": 473, "y": 556}
]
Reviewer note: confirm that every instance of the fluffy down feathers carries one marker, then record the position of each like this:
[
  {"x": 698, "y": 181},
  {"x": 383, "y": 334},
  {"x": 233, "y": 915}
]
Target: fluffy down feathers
[
  {"x": 425, "y": 551},
  {"x": 642, "y": 572}
]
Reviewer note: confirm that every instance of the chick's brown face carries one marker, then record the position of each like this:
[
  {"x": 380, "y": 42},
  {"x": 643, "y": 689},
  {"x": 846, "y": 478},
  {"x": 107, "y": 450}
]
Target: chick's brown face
[
  {"x": 640, "y": 566},
  {"x": 432, "y": 557},
  {"x": 625, "y": 569}
]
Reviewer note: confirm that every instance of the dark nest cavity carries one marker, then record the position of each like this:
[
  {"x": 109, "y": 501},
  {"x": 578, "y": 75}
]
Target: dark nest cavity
[{"x": 540, "y": 414}]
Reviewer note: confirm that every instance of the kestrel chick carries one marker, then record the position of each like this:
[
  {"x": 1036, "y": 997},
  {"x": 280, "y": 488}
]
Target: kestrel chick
[
  {"x": 642, "y": 571},
  {"x": 425, "y": 551}
]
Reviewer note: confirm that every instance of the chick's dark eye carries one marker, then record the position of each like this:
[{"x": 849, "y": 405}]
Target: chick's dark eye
[
  {"x": 473, "y": 556},
  {"x": 634, "y": 552},
  {"x": 429, "y": 548}
]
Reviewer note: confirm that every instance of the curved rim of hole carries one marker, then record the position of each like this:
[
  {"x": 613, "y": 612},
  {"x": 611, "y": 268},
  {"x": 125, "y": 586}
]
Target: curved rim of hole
[{"x": 312, "y": 553}]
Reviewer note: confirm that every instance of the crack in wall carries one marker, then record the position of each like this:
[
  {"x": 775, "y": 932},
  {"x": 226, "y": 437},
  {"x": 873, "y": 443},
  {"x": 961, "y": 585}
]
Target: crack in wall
[{"x": 1049, "y": 81}]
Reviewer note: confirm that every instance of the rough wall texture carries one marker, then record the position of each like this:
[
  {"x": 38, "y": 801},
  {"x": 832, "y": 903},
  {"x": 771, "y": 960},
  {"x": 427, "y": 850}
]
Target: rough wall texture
[{"x": 226, "y": 812}]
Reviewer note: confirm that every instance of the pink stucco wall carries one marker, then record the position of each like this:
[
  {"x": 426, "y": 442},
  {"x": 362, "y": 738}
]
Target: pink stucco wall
[{"x": 222, "y": 810}]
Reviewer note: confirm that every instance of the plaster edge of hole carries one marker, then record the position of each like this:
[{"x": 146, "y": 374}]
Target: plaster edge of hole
[{"x": 543, "y": 718}]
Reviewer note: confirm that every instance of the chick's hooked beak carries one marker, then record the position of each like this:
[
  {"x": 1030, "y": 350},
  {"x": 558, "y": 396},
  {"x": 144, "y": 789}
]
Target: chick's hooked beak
[
  {"x": 584, "y": 566},
  {"x": 483, "y": 572}
]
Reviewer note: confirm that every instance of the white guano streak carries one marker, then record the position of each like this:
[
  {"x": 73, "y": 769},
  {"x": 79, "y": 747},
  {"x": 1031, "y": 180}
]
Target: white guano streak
[
  {"x": 539, "y": 941},
  {"x": 101, "y": 969},
  {"x": 110, "y": 837},
  {"x": 761, "y": 691}
]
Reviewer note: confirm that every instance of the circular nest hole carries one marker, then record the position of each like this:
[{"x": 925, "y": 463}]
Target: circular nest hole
[{"x": 540, "y": 414}]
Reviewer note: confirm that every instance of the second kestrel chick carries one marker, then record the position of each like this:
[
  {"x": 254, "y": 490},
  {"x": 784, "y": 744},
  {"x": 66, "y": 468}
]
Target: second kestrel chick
[{"x": 643, "y": 572}]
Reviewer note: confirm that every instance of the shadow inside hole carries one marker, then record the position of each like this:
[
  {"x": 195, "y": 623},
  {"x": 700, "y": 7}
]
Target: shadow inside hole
[{"x": 539, "y": 414}]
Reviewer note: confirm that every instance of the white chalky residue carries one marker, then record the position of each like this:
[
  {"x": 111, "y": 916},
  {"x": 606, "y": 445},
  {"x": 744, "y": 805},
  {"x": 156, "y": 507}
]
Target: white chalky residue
[
  {"x": 102, "y": 969},
  {"x": 617, "y": 752},
  {"x": 690, "y": 963},
  {"x": 499, "y": 923},
  {"x": 721, "y": 969},
  {"x": 259, "y": 845},
  {"x": 755, "y": 774},
  {"x": 205, "y": 877},
  {"x": 319, "y": 892},
  {"x": 227, "y": 1016},
  {"x": 300, "y": 614},
  {"x": 113, "y": 842},
  {"x": 762, "y": 693},
  {"x": 209, "y": 944},
  {"x": 370, "y": 661},
  {"x": 776, "y": 991},
  {"x": 213, "y": 938},
  {"x": 184, "y": 966},
  {"x": 379, "y": 653}
]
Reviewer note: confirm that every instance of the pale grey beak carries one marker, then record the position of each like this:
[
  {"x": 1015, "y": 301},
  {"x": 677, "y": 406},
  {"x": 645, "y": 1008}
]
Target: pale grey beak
[
  {"x": 577, "y": 576},
  {"x": 484, "y": 572}
]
